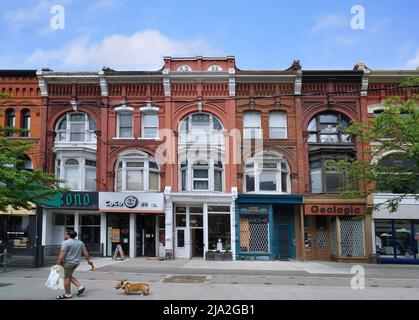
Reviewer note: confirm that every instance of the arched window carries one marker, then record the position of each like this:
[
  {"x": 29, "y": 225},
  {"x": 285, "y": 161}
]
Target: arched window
[
  {"x": 328, "y": 128},
  {"x": 215, "y": 68},
  {"x": 397, "y": 174},
  {"x": 184, "y": 68},
  {"x": 137, "y": 171},
  {"x": 76, "y": 127},
  {"x": 25, "y": 122},
  {"x": 10, "y": 121},
  {"x": 25, "y": 164},
  {"x": 267, "y": 173},
  {"x": 201, "y": 128}
]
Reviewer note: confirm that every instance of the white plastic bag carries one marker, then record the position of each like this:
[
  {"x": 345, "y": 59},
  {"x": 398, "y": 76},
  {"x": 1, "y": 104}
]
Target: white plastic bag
[{"x": 55, "y": 281}]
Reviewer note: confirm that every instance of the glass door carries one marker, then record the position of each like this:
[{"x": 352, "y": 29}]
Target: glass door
[{"x": 118, "y": 232}]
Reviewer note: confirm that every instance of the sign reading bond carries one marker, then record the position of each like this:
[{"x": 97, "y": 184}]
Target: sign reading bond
[
  {"x": 334, "y": 209},
  {"x": 73, "y": 200}
]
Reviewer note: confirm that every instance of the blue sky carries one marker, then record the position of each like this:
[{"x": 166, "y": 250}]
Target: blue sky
[{"x": 264, "y": 34}]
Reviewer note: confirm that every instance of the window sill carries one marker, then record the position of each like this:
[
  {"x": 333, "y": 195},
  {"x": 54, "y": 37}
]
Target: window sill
[
  {"x": 266, "y": 192},
  {"x": 118, "y": 138},
  {"x": 151, "y": 139}
]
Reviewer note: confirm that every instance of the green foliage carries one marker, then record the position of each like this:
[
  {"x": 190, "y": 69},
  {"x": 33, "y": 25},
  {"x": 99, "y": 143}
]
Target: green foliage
[
  {"x": 395, "y": 130},
  {"x": 21, "y": 188}
]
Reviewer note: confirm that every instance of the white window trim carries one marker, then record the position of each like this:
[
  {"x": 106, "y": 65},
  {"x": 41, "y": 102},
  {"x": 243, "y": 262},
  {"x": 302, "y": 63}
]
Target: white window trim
[
  {"x": 285, "y": 127},
  {"x": 90, "y": 136},
  {"x": 256, "y": 175},
  {"x": 212, "y": 136},
  {"x": 60, "y": 170},
  {"x": 124, "y": 110},
  {"x": 217, "y": 66},
  {"x": 146, "y": 171},
  {"x": 185, "y": 67},
  {"x": 211, "y": 180},
  {"x": 257, "y": 128},
  {"x": 149, "y": 110}
]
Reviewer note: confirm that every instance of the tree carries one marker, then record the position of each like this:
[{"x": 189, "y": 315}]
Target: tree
[
  {"x": 395, "y": 133},
  {"x": 21, "y": 188}
]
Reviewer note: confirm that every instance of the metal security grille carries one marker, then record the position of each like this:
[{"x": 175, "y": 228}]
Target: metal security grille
[
  {"x": 352, "y": 237},
  {"x": 254, "y": 236},
  {"x": 321, "y": 240}
]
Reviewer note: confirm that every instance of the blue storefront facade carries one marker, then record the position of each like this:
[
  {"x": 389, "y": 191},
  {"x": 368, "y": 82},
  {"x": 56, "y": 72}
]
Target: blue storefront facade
[{"x": 268, "y": 227}]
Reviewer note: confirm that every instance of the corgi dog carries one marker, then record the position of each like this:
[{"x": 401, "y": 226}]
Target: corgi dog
[{"x": 129, "y": 288}]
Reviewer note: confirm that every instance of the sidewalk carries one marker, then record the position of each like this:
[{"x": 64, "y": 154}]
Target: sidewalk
[{"x": 313, "y": 267}]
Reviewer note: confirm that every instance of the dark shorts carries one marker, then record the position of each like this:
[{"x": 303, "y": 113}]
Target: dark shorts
[{"x": 69, "y": 268}]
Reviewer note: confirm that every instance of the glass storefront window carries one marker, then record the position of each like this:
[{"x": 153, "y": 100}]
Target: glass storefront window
[
  {"x": 180, "y": 238},
  {"x": 416, "y": 239},
  {"x": 254, "y": 229},
  {"x": 384, "y": 238},
  {"x": 219, "y": 229},
  {"x": 180, "y": 220},
  {"x": 403, "y": 239},
  {"x": 17, "y": 231},
  {"x": 196, "y": 221},
  {"x": 89, "y": 228}
]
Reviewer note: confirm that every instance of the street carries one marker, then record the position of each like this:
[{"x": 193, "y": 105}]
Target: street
[{"x": 197, "y": 279}]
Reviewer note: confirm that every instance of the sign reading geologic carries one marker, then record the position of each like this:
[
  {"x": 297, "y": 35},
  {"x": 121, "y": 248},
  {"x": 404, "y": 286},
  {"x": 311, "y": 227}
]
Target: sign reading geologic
[
  {"x": 334, "y": 209},
  {"x": 147, "y": 202}
]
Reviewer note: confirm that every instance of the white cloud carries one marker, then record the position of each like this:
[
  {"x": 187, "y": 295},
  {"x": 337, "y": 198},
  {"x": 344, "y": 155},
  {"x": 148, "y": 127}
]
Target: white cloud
[
  {"x": 102, "y": 4},
  {"x": 140, "y": 51},
  {"x": 27, "y": 15},
  {"x": 344, "y": 41},
  {"x": 413, "y": 63},
  {"x": 329, "y": 21}
]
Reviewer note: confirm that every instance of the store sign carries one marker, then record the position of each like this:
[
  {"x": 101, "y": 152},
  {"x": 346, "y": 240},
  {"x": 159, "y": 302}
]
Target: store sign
[
  {"x": 334, "y": 209},
  {"x": 73, "y": 200},
  {"x": 138, "y": 201}
]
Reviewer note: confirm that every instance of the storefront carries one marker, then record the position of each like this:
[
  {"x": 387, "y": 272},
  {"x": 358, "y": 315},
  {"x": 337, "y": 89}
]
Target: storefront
[
  {"x": 18, "y": 229},
  {"x": 198, "y": 224},
  {"x": 335, "y": 229},
  {"x": 396, "y": 235},
  {"x": 134, "y": 220},
  {"x": 269, "y": 227},
  {"x": 74, "y": 211}
]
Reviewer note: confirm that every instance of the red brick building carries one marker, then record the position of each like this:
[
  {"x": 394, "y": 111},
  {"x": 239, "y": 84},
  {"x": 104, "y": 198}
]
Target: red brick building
[{"x": 21, "y": 109}]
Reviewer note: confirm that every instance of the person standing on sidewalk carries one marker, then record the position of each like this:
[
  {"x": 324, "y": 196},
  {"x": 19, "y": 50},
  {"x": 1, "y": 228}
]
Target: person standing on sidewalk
[{"x": 70, "y": 255}]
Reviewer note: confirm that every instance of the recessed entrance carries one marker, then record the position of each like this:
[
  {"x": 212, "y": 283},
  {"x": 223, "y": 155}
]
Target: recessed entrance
[
  {"x": 197, "y": 242},
  {"x": 146, "y": 236}
]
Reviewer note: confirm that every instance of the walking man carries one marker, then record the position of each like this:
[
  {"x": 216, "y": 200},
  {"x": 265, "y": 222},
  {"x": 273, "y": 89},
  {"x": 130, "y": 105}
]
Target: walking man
[{"x": 70, "y": 255}]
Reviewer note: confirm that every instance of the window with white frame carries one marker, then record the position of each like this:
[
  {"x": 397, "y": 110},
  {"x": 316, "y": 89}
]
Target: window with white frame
[
  {"x": 137, "y": 171},
  {"x": 184, "y": 68},
  {"x": 278, "y": 125},
  {"x": 267, "y": 173},
  {"x": 252, "y": 125},
  {"x": 76, "y": 127},
  {"x": 150, "y": 125},
  {"x": 215, "y": 68},
  {"x": 201, "y": 175},
  {"x": 201, "y": 128},
  {"x": 329, "y": 128},
  {"x": 78, "y": 172},
  {"x": 124, "y": 122}
]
